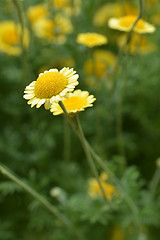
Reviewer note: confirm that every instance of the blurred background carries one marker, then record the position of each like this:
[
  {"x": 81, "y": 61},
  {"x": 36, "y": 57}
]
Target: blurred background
[{"x": 123, "y": 126}]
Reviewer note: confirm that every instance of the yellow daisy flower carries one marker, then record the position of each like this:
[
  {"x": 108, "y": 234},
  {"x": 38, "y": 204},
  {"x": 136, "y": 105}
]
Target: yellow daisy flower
[
  {"x": 69, "y": 7},
  {"x": 51, "y": 86},
  {"x": 138, "y": 44},
  {"x": 91, "y": 39},
  {"x": 36, "y": 12},
  {"x": 53, "y": 30},
  {"x": 99, "y": 66},
  {"x": 95, "y": 191},
  {"x": 10, "y": 37},
  {"x": 125, "y": 24},
  {"x": 109, "y": 10},
  {"x": 61, "y": 4},
  {"x": 75, "y": 102}
]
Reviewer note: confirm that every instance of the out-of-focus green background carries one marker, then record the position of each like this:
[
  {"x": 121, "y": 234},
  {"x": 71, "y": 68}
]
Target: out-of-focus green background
[{"x": 34, "y": 145}]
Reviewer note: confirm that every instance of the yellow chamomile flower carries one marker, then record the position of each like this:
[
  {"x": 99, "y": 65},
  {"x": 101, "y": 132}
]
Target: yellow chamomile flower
[
  {"x": 36, "y": 12},
  {"x": 112, "y": 10},
  {"x": 10, "y": 37},
  {"x": 99, "y": 66},
  {"x": 138, "y": 44},
  {"x": 69, "y": 7},
  {"x": 125, "y": 24},
  {"x": 51, "y": 86},
  {"x": 61, "y": 4},
  {"x": 54, "y": 30},
  {"x": 75, "y": 102},
  {"x": 95, "y": 191},
  {"x": 91, "y": 39}
]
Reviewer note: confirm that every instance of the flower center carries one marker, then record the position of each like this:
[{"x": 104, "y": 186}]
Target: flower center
[
  {"x": 50, "y": 84},
  {"x": 74, "y": 103},
  {"x": 36, "y": 13},
  {"x": 10, "y": 37},
  {"x": 129, "y": 20}
]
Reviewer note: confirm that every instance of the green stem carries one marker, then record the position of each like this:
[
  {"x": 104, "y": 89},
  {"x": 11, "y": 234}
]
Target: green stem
[
  {"x": 67, "y": 141},
  {"x": 78, "y": 130},
  {"x": 128, "y": 40},
  {"x": 105, "y": 167},
  {"x": 88, "y": 155},
  {"x": 21, "y": 37},
  {"x": 125, "y": 195},
  {"x": 52, "y": 209},
  {"x": 155, "y": 181}
]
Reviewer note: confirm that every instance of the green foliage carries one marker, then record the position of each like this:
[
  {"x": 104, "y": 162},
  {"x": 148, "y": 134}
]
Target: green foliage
[{"x": 33, "y": 142}]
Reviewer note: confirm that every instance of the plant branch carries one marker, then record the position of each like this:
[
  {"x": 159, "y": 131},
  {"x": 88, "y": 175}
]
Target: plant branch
[{"x": 46, "y": 204}]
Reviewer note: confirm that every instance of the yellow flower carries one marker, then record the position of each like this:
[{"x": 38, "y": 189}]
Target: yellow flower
[
  {"x": 53, "y": 30},
  {"x": 10, "y": 37},
  {"x": 61, "y": 4},
  {"x": 112, "y": 10},
  {"x": 118, "y": 233},
  {"x": 36, "y": 12},
  {"x": 99, "y": 65},
  {"x": 155, "y": 18},
  {"x": 91, "y": 39},
  {"x": 150, "y": 3},
  {"x": 75, "y": 102},
  {"x": 138, "y": 44},
  {"x": 69, "y": 7},
  {"x": 95, "y": 191},
  {"x": 51, "y": 86},
  {"x": 125, "y": 24}
]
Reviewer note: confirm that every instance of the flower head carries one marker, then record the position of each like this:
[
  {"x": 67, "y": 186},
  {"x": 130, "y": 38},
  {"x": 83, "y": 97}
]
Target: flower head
[
  {"x": 61, "y": 4},
  {"x": 95, "y": 191},
  {"x": 125, "y": 24},
  {"x": 99, "y": 66},
  {"x": 91, "y": 39},
  {"x": 75, "y": 102},
  {"x": 138, "y": 44},
  {"x": 53, "y": 30},
  {"x": 10, "y": 34},
  {"x": 109, "y": 10},
  {"x": 36, "y": 12},
  {"x": 51, "y": 86}
]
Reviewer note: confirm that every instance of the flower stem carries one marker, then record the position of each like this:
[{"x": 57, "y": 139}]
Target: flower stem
[
  {"x": 122, "y": 191},
  {"x": 21, "y": 38},
  {"x": 46, "y": 204},
  {"x": 67, "y": 141},
  {"x": 128, "y": 40},
  {"x": 89, "y": 151},
  {"x": 78, "y": 130},
  {"x": 88, "y": 155}
]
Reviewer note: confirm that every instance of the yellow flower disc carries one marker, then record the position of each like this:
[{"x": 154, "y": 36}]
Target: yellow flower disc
[
  {"x": 129, "y": 20},
  {"x": 10, "y": 36},
  {"x": 50, "y": 84},
  {"x": 74, "y": 103}
]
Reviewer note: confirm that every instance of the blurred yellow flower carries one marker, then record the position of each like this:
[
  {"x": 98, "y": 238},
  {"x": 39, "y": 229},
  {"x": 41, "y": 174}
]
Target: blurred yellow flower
[
  {"x": 118, "y": 233},
  {"x": 69, "y": 7},
  {"x": 36, "y": 12},
  {"x": 138, "y": 44},
  {"x": 61, "y": 4},
  {"x": 95, "y": 191},
  {"x": 10, "y": 34},
  {"x": 112, "y": 10},
  {"x": 51, "y": 86},
  {"x": 125, "y": 24},
  {"x": 53, "y": 30},
  {"x": 155, "y": 18},
  {"x": 91, "y": 39},
  {"x": 75, "y": 102},
  {"x": 99, "y": 66},
  {"x": 152, "y": 2}
]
